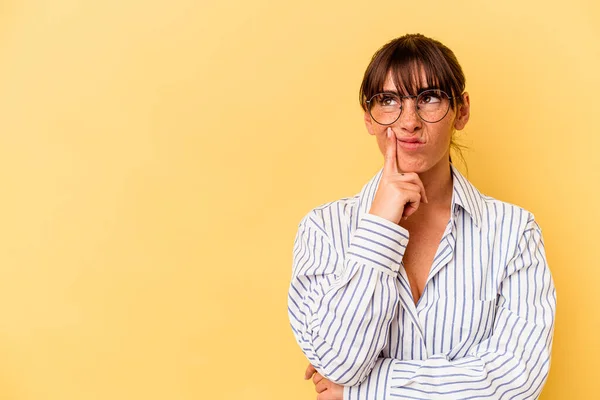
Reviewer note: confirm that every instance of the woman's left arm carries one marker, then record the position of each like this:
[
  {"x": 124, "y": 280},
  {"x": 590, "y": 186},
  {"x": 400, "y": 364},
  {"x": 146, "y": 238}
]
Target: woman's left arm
[{"x": 513, "y": 363}]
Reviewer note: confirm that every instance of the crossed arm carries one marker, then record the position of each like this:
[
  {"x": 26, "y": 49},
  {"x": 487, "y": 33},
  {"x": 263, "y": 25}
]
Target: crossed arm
[{"x": 341, "y": 307}]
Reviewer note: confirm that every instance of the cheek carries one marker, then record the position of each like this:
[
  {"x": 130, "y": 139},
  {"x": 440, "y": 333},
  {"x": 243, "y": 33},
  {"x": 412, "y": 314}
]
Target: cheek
[{"x": 442, "y": 136}]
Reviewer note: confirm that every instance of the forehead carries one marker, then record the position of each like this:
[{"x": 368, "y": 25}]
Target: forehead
[{"x": 407, "y": 80}]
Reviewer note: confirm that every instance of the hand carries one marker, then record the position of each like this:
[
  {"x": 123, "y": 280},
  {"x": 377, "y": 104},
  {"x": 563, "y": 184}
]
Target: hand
[
  {"x": 399, "y": 194},
  {"x": 327, "y": 390}
]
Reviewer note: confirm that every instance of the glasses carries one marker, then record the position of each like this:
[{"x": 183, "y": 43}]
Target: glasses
[{"x": 432, "y": 106}]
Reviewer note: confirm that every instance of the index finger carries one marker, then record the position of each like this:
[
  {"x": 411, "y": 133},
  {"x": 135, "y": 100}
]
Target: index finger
[{"x": 390, "y": 164}]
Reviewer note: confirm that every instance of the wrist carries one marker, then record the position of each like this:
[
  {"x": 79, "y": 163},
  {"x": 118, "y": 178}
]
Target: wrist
[{"x": 395, "y": 217}]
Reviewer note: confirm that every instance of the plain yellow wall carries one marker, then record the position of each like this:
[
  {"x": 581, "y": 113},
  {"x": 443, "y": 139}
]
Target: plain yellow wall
[{"x": 157, "y": 156}]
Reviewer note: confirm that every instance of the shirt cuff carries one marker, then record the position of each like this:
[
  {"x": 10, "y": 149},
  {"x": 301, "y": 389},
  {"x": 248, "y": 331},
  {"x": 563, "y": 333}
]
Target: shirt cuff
[
  {"x": 379, "y": 243},
  {"x": 376, "y": 384}
]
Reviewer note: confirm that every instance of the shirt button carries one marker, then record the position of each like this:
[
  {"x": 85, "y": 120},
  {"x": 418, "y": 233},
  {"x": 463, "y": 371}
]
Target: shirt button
[{"x": 403, "y": 242}]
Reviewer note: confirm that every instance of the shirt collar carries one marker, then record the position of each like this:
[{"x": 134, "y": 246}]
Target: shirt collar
[{"x": 464, "y": 195}]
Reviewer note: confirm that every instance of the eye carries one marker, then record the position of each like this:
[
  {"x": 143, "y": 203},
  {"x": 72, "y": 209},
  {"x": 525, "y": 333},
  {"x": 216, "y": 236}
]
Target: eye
[
  {"x": 429, "y": 98},
  {"x": 387, "y": 100}
]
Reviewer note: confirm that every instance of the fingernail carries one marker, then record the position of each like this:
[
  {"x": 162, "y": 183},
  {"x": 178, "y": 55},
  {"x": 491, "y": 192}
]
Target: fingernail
[{"x": 389, "y": 132}]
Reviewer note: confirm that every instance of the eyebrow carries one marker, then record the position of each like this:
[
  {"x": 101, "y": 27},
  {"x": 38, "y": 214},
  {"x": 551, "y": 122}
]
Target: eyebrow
[{"x": 419, "y": 90}]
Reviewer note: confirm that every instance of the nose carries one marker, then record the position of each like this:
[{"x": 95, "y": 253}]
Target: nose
[{"x": 409, "y": 120}]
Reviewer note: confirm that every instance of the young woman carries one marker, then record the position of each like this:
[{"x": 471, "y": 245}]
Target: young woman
[{"x": 420, "y": 286}]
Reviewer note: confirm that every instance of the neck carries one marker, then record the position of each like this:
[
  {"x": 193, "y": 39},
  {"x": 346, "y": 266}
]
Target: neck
[{"x": 438, "y": 185}]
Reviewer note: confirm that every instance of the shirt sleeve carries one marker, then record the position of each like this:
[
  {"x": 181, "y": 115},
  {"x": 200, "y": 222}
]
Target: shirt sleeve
[
  {"x": 513, "y": 363},
  {"x": 341, "y": 303}
]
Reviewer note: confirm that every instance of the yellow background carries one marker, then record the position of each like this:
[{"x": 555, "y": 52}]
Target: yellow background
[{"x": 156, "y": 157}]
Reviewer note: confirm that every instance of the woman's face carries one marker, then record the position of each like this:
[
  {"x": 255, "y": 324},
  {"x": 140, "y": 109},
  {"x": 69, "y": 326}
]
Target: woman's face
[{"x": 432, "y": 140}]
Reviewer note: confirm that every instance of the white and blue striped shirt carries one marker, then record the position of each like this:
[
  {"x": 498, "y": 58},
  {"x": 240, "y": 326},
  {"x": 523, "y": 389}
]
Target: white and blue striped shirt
[{"x": 482, "y": 328}]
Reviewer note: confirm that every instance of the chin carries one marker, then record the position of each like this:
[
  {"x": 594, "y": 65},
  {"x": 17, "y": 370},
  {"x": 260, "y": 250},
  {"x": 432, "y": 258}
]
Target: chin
[
  {"x": 423, "y": 164},
  {"x": 418, "y": 167}
]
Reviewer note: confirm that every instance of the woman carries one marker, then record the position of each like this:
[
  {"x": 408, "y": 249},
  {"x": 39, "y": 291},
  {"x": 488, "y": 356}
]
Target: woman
[{"x": 419, "y": 286}]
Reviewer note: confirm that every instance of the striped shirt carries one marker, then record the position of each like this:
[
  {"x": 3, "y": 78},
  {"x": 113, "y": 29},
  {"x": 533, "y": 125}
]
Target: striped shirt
[{"x": 482, "y": 329}]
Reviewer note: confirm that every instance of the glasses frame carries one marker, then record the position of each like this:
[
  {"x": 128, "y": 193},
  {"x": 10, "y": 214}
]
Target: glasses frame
[{"x": 416, "y": 105}]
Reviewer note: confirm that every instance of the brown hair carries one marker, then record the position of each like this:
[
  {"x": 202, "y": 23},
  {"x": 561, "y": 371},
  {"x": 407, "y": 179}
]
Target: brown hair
[{"x": 404, "y": 57}]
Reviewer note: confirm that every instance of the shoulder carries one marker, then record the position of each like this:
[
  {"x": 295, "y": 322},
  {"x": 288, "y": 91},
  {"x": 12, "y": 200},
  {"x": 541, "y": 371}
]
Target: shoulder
[
  {"x": 499, "y": 213},
  {"x": 508, "y": 229},
  {"x": 332, "y": 217},
  {"x": 493, "y": 216},
  {"x": 339, "y": 218}
]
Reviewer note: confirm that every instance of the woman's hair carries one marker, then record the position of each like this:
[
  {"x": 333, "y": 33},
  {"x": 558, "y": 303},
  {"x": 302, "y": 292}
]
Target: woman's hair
[{"x": 405, "y": 57}]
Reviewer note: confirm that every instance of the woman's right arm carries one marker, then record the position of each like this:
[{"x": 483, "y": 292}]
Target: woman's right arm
[
  {"x": 341, "y": 304},
  {"x": 342, "y": 299}
]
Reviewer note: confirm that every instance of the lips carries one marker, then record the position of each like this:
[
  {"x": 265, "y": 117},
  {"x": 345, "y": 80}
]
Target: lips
[
  {"x": 410, "y": 140},
  {"x": 410, "y": 144}
]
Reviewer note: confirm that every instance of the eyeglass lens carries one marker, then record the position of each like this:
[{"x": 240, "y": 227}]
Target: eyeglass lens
[{"x": 432, "y": 106}]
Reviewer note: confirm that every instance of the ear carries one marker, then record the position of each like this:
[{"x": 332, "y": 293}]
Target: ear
[
  {"x": 462, "y": 113},
  {"x": 369, "y": 123}
]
